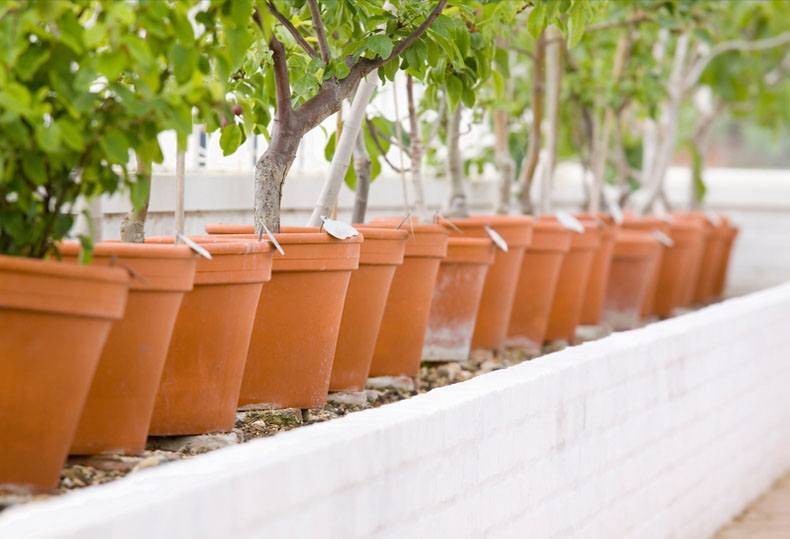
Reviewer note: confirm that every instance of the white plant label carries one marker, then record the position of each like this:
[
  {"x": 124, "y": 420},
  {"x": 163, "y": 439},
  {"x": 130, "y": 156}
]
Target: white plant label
[
  {"x": 569, "y": 221},
  {"x": 272, "y": 239},
  {"x": 338, "y": 229},
  {"x": 713, "y": 218},
  {"x": 195, "y": 247},
  {"x": 610, "y": 196},
  {"x": 662, "y": 238},
  {"x": 498, "y": 240}
]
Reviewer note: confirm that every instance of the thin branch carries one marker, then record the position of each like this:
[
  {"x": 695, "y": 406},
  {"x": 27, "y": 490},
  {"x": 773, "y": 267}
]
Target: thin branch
[
  {"x": 735, "y": 45},
  {"x": 292, "y": 30},
  {"x": 406, "y": 42},
  {"x": 281, "y": 83},
  {"x": 372, "y": 130},
  {"x": 636, "y": 20},
  {"x": 315, "y": 13}
]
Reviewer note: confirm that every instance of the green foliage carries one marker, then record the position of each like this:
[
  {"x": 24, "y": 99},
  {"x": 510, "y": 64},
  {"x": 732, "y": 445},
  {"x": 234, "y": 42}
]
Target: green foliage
[{"x": 81, "y": 90}]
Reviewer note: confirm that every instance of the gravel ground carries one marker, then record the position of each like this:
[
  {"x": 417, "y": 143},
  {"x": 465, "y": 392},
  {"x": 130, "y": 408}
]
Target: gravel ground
[{"x": 81, "y": 472}]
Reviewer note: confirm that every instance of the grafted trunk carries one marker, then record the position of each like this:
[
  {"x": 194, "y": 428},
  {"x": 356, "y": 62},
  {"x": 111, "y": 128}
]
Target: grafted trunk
[
  {"x": 270, "y": 172},
  {"x": 533, "y": 150},
  {"x": 504, "y": 162},
  {"x": 362, "y": 168},
  {"x": 553, "y": 81},
  {"x": 457, "y": 206},
  {"x": 415, "y": 154},
  {"x": 133, "y": 224},
  {"x": 343, "y": 150},
  {"x": 601, "y": 142},
  {"x": 668, "y": 133}
]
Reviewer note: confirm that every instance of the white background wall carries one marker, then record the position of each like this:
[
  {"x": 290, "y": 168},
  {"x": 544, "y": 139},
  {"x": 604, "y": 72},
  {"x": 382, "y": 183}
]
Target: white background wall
[{"x": 665, "y": 431}]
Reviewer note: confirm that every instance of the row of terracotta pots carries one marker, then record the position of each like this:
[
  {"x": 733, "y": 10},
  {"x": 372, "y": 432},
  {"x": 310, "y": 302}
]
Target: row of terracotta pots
[{"x": 255, "y": 328}]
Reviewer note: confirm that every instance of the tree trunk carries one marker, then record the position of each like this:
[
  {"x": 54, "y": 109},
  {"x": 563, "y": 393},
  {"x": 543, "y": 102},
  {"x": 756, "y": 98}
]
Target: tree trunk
[
  {"x": 457, "y": 206},
  {"x": 504, "y": 162},
  {"x": 553, "y": 81},
  {"x": 362, "y": 167},
  {"x": 179, "y": 213},
  {"x": 533, "y": 151},
  {"x": 133, "y": 224},
  {"x": 601, "y": 143},
  {"x": 707, "y": 110},
  {"x": 343, "y": 150},
  {"x": 670, "y": 117},
  {"x": 416, "y": 154}
]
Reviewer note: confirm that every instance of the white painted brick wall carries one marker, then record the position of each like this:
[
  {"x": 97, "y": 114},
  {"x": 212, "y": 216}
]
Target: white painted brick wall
[{"x": 665, "y": 431}]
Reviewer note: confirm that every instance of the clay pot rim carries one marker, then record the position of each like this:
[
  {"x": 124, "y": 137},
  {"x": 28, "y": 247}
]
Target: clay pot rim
[
  {"x": 492, "y": 219},
  {"x": 127, "y": 250},
  {"x": 80, "y": 272},
  {"x": 382, "y": 222},
  {"x": 288, "y": 236},
  {"x": 39, "y": 287},
  {"x": 636, "y": 243},
  {"x": 589, "y": 240},
  {"x": 462, "y": 250},
  {"x": 372, "y": 232},
  {"x": 219, "y": 245}
]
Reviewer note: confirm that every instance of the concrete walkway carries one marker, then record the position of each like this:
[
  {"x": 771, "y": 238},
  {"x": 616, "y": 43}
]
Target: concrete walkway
[{"x": 767, "y": 518}]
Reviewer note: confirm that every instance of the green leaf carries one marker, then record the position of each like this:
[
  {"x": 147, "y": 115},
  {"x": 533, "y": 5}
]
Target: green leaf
[
  {"x": 71, "y": 134},
  {"x": 184, "y": 62},
  {"x": 86, "y": 248},
  {"x": 33, "y": 168},
  {"x": 536, "y": 21},
  {"x": 455, "y": 90},
  {"x": 380, "y": 45},
  {"x": 115, "y": 146},
  {"x": 575, "y": 26},
  {"x": 231, "y": 138}
]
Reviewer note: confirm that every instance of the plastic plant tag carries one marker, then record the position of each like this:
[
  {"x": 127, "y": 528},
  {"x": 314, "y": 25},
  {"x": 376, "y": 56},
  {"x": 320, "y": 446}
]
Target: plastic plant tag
[
  {"x": 662, "y": 238},
  {"x": 498, "y": 240},
  {"x": 271, "y": 238},
  {"x": 569, "y": 221},
  {"x": 713, "y": 218},
  {"x": 338, "y": 229},
  {"x": 194, "y": 246},
  {"x": 610, "y": 196}
]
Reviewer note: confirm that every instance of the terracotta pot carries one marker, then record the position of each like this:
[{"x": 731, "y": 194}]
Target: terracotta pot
[
  {"x": 456, "y": 299},
  {"x": 199, "y": 391},
  {"x": 696, "y": 254},
  {"x": 499, "y": 290},
  {"x": 730, "y": 233},
  {"x": 646, "y": 223},
  {"x": 402, "y": 335},
  {"x": 540, "y": 270},
  {"x": 381, "y": 253},
  {"x": 295, "y": 333},
  {"x": 595, "y": 293},
  {"x": 118, "y": 411},
  {"x": 677, "y": 263},
  {"x": 710, "y": 259},
  {"x": 54, "y": 321},
  {"x": 566, "y": 307},
  {"x": 634, "y": 261}
]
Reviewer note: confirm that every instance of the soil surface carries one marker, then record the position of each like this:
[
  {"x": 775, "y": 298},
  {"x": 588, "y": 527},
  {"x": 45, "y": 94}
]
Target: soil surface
[{"x": 81, "y": 472}]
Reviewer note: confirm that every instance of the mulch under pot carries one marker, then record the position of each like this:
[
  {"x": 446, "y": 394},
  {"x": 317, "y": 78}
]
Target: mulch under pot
[
  {"x": 381, "y": 253},
  {"x": 54, "y": 321},
  {"x": 595, "y": 294},
  {"x": 649, "y": 224},
  {"x": 499, "y": 291},
  {"x": 634, "y": 262},
  {"x": 118, "y": 411},
  {"x": 456, "y": 299},
  {"x": 566, "y": 308},
  {"x": 402, "y": 335},
  {"x": 677, "y": 262},
  {"x": 730, "y": 233},
  {"x": 295, "y": 333},
  {"x": 200, "y": 385},
  {"x": 540, "y": 270}
]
